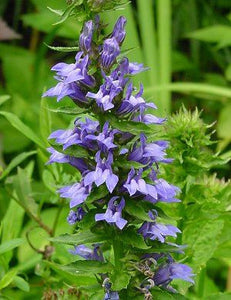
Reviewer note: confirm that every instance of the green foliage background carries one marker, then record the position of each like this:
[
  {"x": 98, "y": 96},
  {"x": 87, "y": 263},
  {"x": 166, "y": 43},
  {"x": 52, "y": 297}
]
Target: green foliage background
[{"x": 186, "y": 44}]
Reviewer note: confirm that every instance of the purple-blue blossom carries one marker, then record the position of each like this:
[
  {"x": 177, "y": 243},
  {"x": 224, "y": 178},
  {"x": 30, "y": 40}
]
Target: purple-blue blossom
[
  {"x": 57, "y": 157},
  {"x": 113, "y": 85},
  {"x": 70, "y": 77},
  {"x": 149, "y": 153},
  {"x": 77, "y": 193},
  {"x": 119, "y": 32},
  {"x": 85, "y": 38},
  {"x": 104, "y": 139},
  {"x": 135, "y": 183},
  {"x": 109, "y": 53},
  {"x": 88, "y": 253},
  {"x": 76, "y": 216},
  {"x": 113, "y": 214},
  {"x": 156, "y": 231},
  {"x": 170, "y": 271},
  {"x": 166, "y": 192},
  {"x": 133, "y": 103},
  {"x": 111, "y": 295},
  {"x": 103, "y": 173}
]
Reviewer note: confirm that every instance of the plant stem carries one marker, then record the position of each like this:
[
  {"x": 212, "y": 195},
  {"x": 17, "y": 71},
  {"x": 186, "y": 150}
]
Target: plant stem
[
  {"x": 32, "y": 216},
  {"x": 228, "y": 284},
  {"x": 164, "y": 42},
  {"x": 201, "y": 283},
  {"x": 190, "y": 87},
  {"x": 118, "y": 252},
  {"x": 148, "y": 36},
  {"x": 57, "y": 218}
]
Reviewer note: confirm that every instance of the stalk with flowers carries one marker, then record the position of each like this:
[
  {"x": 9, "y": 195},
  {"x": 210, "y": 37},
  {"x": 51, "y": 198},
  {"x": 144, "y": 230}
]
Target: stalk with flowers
[{"x": 114, "y": 207}]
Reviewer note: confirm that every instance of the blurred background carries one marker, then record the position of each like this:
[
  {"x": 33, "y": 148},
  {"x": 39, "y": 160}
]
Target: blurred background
[{"x": 186, "y": 44}]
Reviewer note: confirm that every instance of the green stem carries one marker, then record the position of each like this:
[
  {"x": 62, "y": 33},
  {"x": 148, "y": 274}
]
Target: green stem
[
  {"x": 189, "y": 87},
  {"x": 32, "y": 216},
  {"x": 57, "y": 218},
  {"x": 201, "y": 283},
  {"x": 148, "y": 36},
  {"x": 118, "y": 252},
  {"x": 164, "y": 39}
]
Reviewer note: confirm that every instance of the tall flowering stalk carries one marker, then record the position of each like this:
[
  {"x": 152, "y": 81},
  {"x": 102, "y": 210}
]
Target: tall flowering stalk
[{"x": 118, "y": 163}]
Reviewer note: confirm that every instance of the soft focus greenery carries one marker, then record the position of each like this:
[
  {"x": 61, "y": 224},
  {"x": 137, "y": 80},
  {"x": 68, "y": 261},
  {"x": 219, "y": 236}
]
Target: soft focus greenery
[{"x": 186, "y": 44}]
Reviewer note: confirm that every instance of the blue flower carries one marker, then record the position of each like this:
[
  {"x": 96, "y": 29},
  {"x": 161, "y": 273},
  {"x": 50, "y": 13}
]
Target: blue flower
[
  {"x": 133, "y": 103},
  {"x": 149, "y": 153},
  {"x": 103, "y": 173},
  {"x": 104, "y": 139},
  {"x": 119, "y": 32},
  {"x": 166, "y": 192},
  {"x": 57, "y": 157},
  {"x": 85, "y": 38},
  {"x": 109, "y": 53},
  {"x": 76, "y": 216},
  {"x": 111, "y": 295},
  {"x": 113, "y": 214},
  {"x": 172, "y": 270},
  {"x": 68, "y": 76},
  {"x": 88, "y": 253},
  {"x": 155, "y": 231},
  {"x": 135, "y": 68},
  {"x": 77, "y": 193},
  {"x": 135, "y": 183}
]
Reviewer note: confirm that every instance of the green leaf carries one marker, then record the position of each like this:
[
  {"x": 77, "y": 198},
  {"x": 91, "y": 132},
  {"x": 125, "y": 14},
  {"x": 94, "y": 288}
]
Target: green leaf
[
  {"x": 120, "y": 280},
  {"x": 121, "y": 162},
  {"x": 7, "y": 279},
  {"x": 45, "y": 120},
  {"x": 15, "y": 162},
  {"x": 137, "y": 210},
  {"x": 63, "y": 49},
  {"x": 67, "y": 12},
  {"x": 224, "y": 123},
  {"x": 97, "y": 193},
  {"x": 228, "y": 72},
  {"x": 202, "y": 240},
  {"x": 159, "y": 294},
  {"x": 72, "y": 278},
  {"x": 130, "y": 126},
  {"x": 76, "y": 151},
  {"x": 84, "y": 237},
  {"x": 220, "y": 34},
  {"x": 49, "y": 181},
  {"x": 23, "y": 190},
  {"x": 58, "y": 12},
  {"x": 219, "y": 296},
  {"x": 21, "y": 283},
  {"x": 131, "y": 237},
  {"x": 4, "y": 98},
  {"x": 180, "y": 62},
  {"x": 89, "y": 266},
  {"x": 9, "y": 245},
  {"x": 68, "y": 110},
  {"x": 24, "y": 129},
  {"x": 44, "y": 21},
  {"x": 10, "y": 230}
]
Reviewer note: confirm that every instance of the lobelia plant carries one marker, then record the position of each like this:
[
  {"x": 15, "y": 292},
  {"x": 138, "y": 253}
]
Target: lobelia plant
[{"x": 114, "y": 207}]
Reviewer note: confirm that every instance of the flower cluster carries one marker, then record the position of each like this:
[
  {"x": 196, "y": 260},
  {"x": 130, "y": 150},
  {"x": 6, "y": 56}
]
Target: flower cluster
[{"x": 101, "y": 80}]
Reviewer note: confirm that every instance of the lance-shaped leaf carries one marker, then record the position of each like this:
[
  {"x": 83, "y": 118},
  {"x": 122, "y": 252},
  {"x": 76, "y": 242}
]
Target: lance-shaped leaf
[
  {"x": 84, "y": 237},
  {"x": 23, "y": 190}
]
